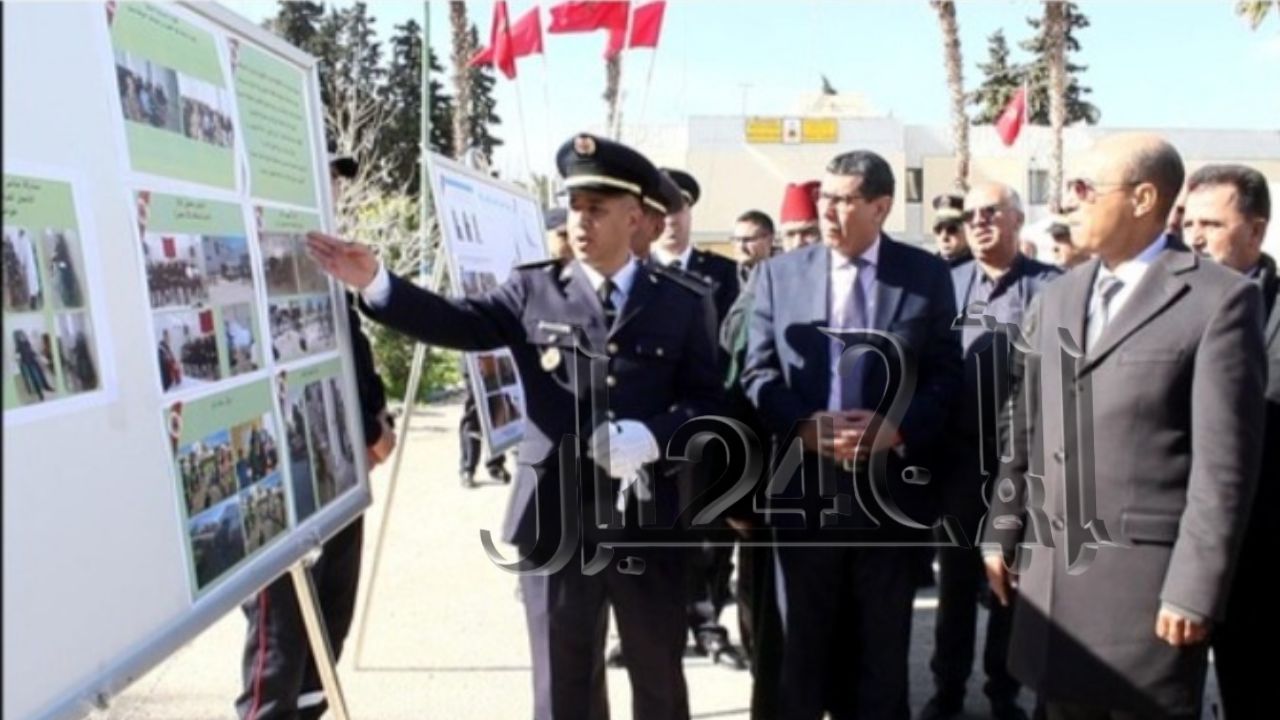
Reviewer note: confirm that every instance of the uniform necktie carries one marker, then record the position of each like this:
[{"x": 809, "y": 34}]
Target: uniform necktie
[
  {"x": 676, "y": 264},
  {"x": 1100, "y": 312},
  {"x": 853, "y": 317},
  {"x": 605, "y": 292}
]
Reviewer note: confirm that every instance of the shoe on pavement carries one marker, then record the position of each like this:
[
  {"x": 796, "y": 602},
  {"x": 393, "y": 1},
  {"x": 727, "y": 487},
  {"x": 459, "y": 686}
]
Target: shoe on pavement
[{"x": 467, "y": 480}]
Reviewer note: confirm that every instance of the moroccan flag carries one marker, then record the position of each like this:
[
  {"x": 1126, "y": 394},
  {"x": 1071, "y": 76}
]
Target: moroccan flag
[
  {"x": 500, "y": 41},
  {"x": 646, "y": 24},
  {"x": 583, "y": 16},
  {"x": 1014, "y": 116},
  {"x": 525, "y": 39},
  {"x": 170, "y": 248}
]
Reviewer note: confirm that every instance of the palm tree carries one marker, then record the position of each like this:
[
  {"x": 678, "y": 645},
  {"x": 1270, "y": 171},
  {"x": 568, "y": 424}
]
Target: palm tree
[
  {"x": 1055, "y": 23},
  {"x": 955, "y": 85},
  {"x": 613, "y": 85},
  {"x": 1255, "y": 11},
  {"x": 463, "y": 50}
]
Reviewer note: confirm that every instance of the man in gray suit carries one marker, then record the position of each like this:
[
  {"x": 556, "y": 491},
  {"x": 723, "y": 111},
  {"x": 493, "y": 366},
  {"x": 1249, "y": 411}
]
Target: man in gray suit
[
  {"x": 1226, "y": 215},
  {"x": 1134, "y": 457}
]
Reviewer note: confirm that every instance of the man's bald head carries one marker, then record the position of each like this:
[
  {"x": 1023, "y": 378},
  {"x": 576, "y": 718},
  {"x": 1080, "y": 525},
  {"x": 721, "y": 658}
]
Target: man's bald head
[{"x": 1121, "y": 199}]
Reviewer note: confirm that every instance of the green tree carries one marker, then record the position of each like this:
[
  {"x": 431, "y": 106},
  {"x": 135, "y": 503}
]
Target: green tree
[
  {"x": 1000, "y": 81},
  {"x": 401, "y": 134},
  {"x": 482, "y": 116},
  {"x": 1037, "y": 72}
]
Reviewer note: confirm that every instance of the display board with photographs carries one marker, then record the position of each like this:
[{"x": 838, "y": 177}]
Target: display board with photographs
[
  {"x": 201, "y": 289},
  {"x": 52, "y": 312},
  {"x": 299, "y": 309},
  {"x": 488, "y": 227},
  {"x": 173, "y": 96},
  {"x": 228, "y": 468},
  {"x": 139, "y": 368},
  {"x": 321, "y": 453}
]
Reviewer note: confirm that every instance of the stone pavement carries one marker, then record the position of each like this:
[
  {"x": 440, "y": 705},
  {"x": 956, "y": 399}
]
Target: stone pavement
[{"x": 445, "y": 633}]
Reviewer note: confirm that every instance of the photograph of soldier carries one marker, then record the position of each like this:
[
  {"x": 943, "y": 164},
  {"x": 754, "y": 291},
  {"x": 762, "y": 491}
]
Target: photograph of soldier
[
  {"x": 25, "y": 343},
  {"x": 207, "y": 470},
  {"x": 206, "y": 112},
  {"x": 62, "y": 249},
  {"x": 228, "y": 278},
  {"x": 301, "y": 326},
  {"x": 23, "y": 290},
  {"x": 217, "y": 541},
  {"x": 148, "y": 92},
  {"x": 280, "y": 263},
  {"x": 75, "y": 351},
  {"x": 323, "y": 459},
  {"x": 242, "y": 348},
  {"x": 187, "y": 349},
  {"x": 262, "y": 507},
  {"x": 255, "y": 451},
  {"x": 175, "y": 270}
]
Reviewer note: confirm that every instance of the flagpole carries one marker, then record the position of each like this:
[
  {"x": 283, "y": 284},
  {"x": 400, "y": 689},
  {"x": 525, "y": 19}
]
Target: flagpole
[
  {"x": 617, "y": 101},
  {"x": 524, "y": 135},
  {"x": 648, "y": 83}
]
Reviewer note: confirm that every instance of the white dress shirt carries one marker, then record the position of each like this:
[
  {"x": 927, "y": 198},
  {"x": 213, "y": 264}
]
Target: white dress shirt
[
  {"x": 667, "y": 258},
  {"x": 1129, "y": 272}
]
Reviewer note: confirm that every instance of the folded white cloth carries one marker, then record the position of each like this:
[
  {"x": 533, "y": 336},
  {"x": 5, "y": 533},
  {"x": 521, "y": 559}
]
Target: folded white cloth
[{"x": 630, "y": 447}]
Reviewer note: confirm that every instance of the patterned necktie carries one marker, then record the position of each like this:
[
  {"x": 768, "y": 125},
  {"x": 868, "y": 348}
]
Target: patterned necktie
[
  {"x": 1104, "y": 291},
  {"x": 605, "y": 291},
  {"x": 853, "y": 316}
]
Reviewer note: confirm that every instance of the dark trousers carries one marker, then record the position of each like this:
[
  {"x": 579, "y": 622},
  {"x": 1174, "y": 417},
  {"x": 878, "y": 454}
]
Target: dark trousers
[
  {"x": 567, "y": 617},
  {"x": 708, "y": 571},
  {"x": 1246, "y": 635},
  {"x": 469, "y": 440},
  {"x": 1068, "y": 711},
  {"x": 277, "y": 666},
  {"x": 962, "y": 581},
  {"x": 846, "y": 619}
]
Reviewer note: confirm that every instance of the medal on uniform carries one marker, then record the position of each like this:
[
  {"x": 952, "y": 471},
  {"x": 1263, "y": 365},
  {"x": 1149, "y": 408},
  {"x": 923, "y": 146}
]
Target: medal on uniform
[{"x": 550, "y": 359}]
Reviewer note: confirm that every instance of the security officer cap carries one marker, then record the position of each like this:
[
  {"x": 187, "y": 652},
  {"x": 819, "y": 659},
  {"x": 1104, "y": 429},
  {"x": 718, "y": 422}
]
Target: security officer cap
[
  {"x": 688, "y": 186},
  {"x": 948, "y": 210},
  {"x": 587, "y": 162},
  {"x": 667, "y": 198}
]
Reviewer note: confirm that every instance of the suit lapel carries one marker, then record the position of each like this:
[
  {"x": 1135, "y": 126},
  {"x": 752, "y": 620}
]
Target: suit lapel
[
  {"x": 579, "y": 294},
  {"x": 1075, "y": 308},
  {"x": 890, "y": 275},
  {"x": 1158, "y": 289},
  {"x": 814, "y": 286}
]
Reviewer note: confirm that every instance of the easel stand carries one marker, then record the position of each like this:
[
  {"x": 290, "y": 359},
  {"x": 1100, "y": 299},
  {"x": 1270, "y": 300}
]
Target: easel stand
[{"x": 317, "y": 635}]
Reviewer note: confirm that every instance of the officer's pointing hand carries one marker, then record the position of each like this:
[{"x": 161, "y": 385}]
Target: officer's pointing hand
[{"x": 352, "y": 264}]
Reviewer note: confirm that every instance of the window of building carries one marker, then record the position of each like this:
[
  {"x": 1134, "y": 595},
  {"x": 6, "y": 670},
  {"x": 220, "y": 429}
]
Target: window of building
[
  {"x": 1038, "y": 187},
  {"x": 915, "y": 185}
]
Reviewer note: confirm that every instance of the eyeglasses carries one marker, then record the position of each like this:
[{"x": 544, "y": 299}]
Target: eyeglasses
[
  {"x": 986, "y": 212},
  {"x": 1088, "y": 190},
  {"x": 743, "y": 238}
]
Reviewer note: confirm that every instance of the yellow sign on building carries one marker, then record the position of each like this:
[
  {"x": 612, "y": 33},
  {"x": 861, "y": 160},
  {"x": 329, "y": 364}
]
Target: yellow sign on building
[
  {"x": 764, "y": 130},
  {"x": 819, "y": 130}
]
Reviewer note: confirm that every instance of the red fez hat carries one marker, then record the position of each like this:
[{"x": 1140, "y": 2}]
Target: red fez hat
[{"x": 800, "y": 203}]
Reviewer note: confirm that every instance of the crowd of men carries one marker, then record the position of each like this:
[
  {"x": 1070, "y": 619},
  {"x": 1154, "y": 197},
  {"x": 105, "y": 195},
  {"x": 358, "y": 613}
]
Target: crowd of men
[
  {"x": 175, "y": 282},
  {"x": 1112, "y": 410}
]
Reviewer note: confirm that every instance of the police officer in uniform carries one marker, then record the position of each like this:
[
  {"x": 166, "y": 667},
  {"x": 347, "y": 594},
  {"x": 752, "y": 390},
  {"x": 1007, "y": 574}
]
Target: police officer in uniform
[
  {"x": 655, "y": 336},
  {"x": 674, "y": 249}
]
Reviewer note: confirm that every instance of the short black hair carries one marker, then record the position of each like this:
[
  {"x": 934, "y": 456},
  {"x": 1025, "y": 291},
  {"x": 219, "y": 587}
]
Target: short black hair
[
  {"x": 759, "y": 218},
  {"x": 1253, "y": 199},
  {"x": 877, "y": 176}
]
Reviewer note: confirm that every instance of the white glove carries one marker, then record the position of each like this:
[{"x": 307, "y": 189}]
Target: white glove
[{"x": 630, "y": 446}]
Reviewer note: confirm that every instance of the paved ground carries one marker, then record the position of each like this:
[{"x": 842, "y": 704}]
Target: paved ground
[{"x": 445, "y": 635}]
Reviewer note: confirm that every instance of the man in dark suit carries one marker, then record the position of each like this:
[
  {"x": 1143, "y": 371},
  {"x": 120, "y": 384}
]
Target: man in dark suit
[
  {"x": 654, "y": 339},
  {"x": 1134, "y": 453},
  {"x": 675, "y": 248},
  {"x": 998, "y": 283},
  {"x": 1225, "y": 218},
  {"x": 846, "y": 606}
]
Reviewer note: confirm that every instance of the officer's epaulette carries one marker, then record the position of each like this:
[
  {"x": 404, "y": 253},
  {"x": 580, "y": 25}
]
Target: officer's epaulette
[
  {"x": 688, "y": 281},
  {"x": 548, "y": 264}
]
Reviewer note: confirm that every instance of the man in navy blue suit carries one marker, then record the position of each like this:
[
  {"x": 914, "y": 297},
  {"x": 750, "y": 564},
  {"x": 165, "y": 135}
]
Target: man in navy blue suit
[{"x": 846, "y": 598}]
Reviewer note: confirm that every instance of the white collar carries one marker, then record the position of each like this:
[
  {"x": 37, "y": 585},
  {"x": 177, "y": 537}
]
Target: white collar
[
  {"x": 622, "y": 280},
  {"x": 870, "y": 256},
  {"x": 667, "y": 258}
]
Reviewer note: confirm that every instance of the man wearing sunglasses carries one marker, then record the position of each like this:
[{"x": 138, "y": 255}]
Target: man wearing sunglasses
[
  {"x": 1127, "y": 541},
  {"x": 999, "y": 283},
  {"x": 1227, "y": 211}
]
